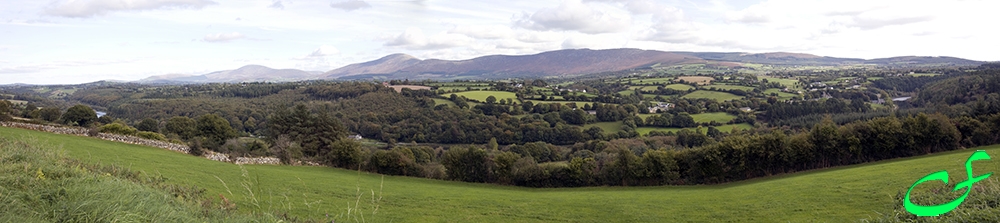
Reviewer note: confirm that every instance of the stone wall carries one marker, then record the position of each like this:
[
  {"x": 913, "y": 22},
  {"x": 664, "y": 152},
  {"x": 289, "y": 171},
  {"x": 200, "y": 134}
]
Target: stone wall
[{"x": 79, "y": 131}]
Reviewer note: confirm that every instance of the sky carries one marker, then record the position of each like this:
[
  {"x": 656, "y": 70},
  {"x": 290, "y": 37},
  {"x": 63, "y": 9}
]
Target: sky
[{"x": 79, "y": 41}]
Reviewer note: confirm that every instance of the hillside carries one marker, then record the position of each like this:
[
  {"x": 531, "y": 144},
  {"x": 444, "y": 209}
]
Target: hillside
[
  {"x": 552, "y": 63},
  {"x": 840, "y": 194},
  {"x": 783, "y": 58},
  {"x": 248, "y": 73}
]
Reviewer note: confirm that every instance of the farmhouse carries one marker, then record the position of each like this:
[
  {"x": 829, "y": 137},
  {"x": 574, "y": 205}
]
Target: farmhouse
[{"x": 660, "y": 106}]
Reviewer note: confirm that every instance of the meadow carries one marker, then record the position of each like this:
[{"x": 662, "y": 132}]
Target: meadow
[
  {"x": 841, "y": 194},
  {"x": 700, "y": 80},
  {"x": 579, "y": 104},
  {"x": 728, "y": 87},
  {"x": 718, "y": 96},
  {"x": 682, "y": 87},
  {"x": 482, "y": 95}
]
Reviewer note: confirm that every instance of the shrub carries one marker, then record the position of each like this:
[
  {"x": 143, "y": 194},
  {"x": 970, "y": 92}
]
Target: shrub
[
  {"x": 118, "y": 128},
  {"x": 151, "y": 135}
]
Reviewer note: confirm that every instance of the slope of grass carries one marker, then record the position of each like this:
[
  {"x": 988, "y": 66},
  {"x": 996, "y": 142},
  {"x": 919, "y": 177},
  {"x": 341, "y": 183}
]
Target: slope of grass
[
  {"x": 579, "y": 104},
  {"x": 842, "y": 194},
  {"x": 41, "y": 185},
  {"x": 718, "y": 96}
]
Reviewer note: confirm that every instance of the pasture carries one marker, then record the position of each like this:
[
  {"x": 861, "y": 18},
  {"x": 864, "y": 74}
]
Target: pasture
[
  {"x": 728, "y": 87},
  {"x": 682, "y": 87},
  {"x": 700, "y": 80},
  {"x": 482, "y": 95},
  {"x": 438, "y": 101},
  {"x": 839, "y": 194},
  {"x": 790, "y": 83},
  {"x": 718, "y": 96},
  {"x": 608, "y": 127}
]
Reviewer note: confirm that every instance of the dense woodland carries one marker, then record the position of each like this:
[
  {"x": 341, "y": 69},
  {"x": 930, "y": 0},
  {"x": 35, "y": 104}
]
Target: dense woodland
[{"x": 545, "y": 143}]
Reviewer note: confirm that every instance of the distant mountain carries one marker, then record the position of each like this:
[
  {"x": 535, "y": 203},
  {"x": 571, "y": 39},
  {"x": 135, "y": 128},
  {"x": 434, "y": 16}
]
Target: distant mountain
[
  {"x": 248, "y": 73},
  {"x": 782, "y": 58},
  {"x": 552, "y": 63}
]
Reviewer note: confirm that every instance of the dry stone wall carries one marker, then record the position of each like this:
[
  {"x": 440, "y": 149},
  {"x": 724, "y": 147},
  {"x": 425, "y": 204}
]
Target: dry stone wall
[{"x": 141, "y": 141}]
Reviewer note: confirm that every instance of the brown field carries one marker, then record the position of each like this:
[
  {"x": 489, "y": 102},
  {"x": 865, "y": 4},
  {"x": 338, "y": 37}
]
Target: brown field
[
  {"x": 701, "y": 80},
  {"x": 399, "y": 88}
]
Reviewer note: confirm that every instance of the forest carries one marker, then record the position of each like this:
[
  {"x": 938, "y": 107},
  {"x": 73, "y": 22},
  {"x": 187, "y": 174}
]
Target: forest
[{"x": 579, "y": 132}]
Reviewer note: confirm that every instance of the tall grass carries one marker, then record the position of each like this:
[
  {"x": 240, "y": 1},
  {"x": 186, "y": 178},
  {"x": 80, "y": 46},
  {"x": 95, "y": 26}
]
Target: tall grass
[
  {"x": 982, "y": 204},
  {"x": 40, "y": 185}
]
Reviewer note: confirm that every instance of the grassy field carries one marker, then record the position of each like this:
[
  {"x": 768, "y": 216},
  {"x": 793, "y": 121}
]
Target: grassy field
[
  {"x": 790, "y": 83},
  {"x": 682, "y": 87},
  {"x": 719, "y": 96},
  {"x": 701, "y": 80},
  {"x": 924, "y": 74},
  {"x": 482, "y": 95},
  {"x": 438, "y": 101},
  {"x": 606, "y": 126},
  {"x": 462, "y": 88},
  {"x": 728, "y": 87},
  {"x": 842, "y": 194},
  {"x": 781, "y": 95}
]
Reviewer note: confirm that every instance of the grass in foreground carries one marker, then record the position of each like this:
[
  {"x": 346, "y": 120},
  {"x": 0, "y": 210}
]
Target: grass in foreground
[
  {"x": 842, "y": 194},
  {"x": 42, "y": 185}
]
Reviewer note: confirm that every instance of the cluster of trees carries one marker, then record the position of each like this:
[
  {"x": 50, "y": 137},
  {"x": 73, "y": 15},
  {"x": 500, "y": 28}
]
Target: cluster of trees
[{"x": 779, "y": 111}]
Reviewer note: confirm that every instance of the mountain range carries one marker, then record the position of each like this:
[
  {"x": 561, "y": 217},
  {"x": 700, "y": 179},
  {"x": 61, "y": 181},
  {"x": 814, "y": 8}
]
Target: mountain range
[{"x": 559, "y": 63}]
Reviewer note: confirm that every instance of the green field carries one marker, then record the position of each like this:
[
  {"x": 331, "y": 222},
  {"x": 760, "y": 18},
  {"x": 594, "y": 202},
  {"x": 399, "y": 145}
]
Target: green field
[
  {"x": 841, "y": 194},
  {"x": 462, "y": 88},
  {"x": 682, "y": 87},
  {"x": 790, "y": 83},
  {"x": 924, "y": 74},
  {"x": 728, "y": 87},
  {"x": 720, "y": 117},
  {"x": 438, "y": 101},
  {"x": 781, "y": 95},
  {"x": 482, "y": 95},
  {"x": 719, "y": 96},
  {"x": 606, "y": 126}
]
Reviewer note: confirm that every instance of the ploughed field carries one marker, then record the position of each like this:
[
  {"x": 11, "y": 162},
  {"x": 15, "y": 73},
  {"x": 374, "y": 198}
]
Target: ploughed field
[{"x": 843, "y": 194}]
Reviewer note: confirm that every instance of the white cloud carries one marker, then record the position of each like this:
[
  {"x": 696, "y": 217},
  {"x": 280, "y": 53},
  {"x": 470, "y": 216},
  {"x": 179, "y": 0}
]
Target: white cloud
[
  {"x": 414, "y": 38},
  {"x": 277, "y": 5},
  {"x": 324, "y": 51},
  {"x": 223, "y": 37},
  {"x": 88, "y": 8},
  {"x": 484, "y": 32},
  {"x": 350, "y": 5},
  {"x": 576, "y": 16}
]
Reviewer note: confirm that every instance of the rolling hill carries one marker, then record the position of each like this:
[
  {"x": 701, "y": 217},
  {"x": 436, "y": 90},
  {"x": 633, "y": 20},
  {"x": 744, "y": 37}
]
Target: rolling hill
[
  {"x": 552, "y": 63},
  {"x": 559, "y": 63},
  {"x": 248, "y": 73}
]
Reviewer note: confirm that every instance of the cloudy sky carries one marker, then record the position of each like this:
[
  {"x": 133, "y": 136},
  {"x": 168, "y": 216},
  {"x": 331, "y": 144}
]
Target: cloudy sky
[{"x": 77, "y": 41}]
